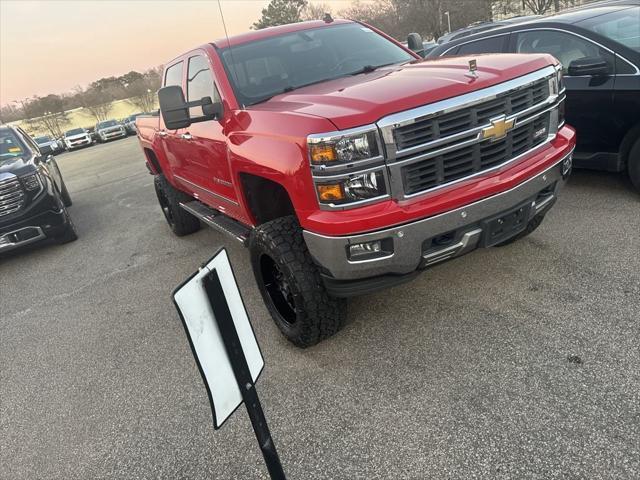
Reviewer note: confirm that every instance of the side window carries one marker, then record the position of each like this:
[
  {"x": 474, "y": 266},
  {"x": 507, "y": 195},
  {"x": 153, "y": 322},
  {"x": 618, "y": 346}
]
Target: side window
[
  {"x": 173, "y": 75},
  {"x": 486, "y": 45},
  {"x": 562, "y": 45},
  {"x": 200, "y": 83}
]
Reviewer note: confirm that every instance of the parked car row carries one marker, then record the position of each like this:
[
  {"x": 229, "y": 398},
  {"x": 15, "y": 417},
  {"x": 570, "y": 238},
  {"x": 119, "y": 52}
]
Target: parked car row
[{"x": 83, "y": 137}]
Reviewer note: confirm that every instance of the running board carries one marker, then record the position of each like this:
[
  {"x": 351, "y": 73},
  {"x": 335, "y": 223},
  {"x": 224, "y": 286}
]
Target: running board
[{"x": 218, "y": 220}]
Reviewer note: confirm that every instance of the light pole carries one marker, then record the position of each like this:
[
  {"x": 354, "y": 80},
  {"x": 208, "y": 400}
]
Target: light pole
[{"x": 448, "y": 20}]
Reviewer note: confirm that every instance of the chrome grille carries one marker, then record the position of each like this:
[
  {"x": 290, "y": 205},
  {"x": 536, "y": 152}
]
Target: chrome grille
[
  {"x": 11, "y": 196},
  {"x": 472, "y": 159},
  {"x": 448, "y": 141},
  {"x": 429, "y": 129}
]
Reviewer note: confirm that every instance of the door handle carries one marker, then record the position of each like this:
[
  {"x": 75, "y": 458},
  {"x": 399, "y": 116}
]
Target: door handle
[
  {"x": 186, "y": 136},
  {"x": 162, "y": 133}
]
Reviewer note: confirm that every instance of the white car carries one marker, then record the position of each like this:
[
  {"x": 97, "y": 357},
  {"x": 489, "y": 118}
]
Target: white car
[
  {"x": 109, "y": 129},
  {"x": 77, "y": 138}
]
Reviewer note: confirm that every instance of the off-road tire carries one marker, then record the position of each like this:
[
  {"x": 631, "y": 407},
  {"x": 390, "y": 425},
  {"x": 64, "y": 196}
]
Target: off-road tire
[
  {"x": 315, "y": 315},
  {"x": 64, "y": 194},
  {"x": 531, "y": 226},
  {"x": 633, "y": 164},
  {"x": 180, "y": 221},
  {"x": 69, "y": 233}
]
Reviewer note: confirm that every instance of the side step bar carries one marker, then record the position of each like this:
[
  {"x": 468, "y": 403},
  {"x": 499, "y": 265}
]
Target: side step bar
[{"x": 218, "y": 220}]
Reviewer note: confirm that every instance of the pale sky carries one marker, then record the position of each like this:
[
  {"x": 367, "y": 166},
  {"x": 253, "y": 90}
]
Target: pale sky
[{"x": 50, "y": 46}]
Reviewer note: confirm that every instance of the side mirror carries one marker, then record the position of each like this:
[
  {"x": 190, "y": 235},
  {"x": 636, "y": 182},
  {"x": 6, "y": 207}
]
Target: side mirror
[
  {"x": 45, "y": 150},
  {"x": 588, "y": 66},
  {"x": 175, "y": 110},
  {"x": 414, "y": 42}
]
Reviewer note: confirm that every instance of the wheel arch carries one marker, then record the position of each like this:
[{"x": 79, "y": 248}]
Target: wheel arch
[
  {"x": 627, "y": 144},
  {"x": 266, "y": 199}
]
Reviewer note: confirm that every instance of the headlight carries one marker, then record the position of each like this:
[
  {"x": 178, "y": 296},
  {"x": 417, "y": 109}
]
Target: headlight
[
  {"x": 32, "y": 182},
  {"x": 559, "y": 81},
  {"x": 352, "y": 188},
  {"x": 344, "y": 147},
  {"x": 348, "y": 167}
]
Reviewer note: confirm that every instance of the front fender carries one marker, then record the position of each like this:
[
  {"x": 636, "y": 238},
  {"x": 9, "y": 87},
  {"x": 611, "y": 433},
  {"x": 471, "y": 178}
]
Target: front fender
[{"x": 275, "y": 147}]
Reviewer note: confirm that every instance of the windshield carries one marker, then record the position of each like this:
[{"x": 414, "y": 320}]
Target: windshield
[
  {"x": 44, "y": 139},
  {"x": 258, "y": 70},
  {"x": 622, "y": 26},
  {"x": 9, "y": 145},
  {"x": 107, "y": 123},
  {"x": 75, "y": 131}
]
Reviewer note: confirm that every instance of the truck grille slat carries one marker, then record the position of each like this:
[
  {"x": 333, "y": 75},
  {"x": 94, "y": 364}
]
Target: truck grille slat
[
  {"x": 451, "y": 140},
  {"x": 462, "y": 162},
  {"x": 11, "y": 196},
  {"x": 422, "y": 130}
]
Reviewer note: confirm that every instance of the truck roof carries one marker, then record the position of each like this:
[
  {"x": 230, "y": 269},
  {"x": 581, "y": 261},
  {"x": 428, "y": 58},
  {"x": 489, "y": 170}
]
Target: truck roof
[{"x": 274, "y": 31}]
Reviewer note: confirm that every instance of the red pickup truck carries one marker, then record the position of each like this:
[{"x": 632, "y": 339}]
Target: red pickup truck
[{"x": 348, "y": 164}]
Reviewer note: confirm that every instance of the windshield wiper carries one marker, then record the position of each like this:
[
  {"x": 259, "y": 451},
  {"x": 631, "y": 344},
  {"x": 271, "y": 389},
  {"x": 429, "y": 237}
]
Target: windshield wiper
[
  {"x": 370, "y": 68},
  {"x": 290, "y": 88}
]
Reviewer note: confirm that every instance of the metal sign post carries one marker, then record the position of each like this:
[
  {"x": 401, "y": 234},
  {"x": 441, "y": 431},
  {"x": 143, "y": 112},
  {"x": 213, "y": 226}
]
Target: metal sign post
[{"x": 225, "y": 349}]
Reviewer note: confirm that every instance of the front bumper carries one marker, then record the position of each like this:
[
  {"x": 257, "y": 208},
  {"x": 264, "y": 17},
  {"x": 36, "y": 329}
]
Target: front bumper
[
  {"x": 111, "y": 135},
  {"x": 83, "y": 142},
  {"x": 37, "y": 227},
  {"x": 432, "y": 240}
]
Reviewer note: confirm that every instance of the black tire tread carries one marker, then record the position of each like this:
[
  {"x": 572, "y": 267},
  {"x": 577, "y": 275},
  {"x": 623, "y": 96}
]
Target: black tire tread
[
  {"x": 633, "y": 164},
  {"x": 321, "y": 315},
  {"x": 64, "y": 194},
  {"x": 69, "y": 234},
  {"x": 183, "y": 222}
]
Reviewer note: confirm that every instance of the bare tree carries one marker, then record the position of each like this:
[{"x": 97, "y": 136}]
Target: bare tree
[
  {"x": 538, "y": 7},
  {"x": 315, "y": 11},
  {"x": 46, "y": 114},
  {"x": 400, "y": 17},
  {"x": 94, "y": 100},
  {"x": 143, "y": 90},
  {"x": 11, "y": 113}
]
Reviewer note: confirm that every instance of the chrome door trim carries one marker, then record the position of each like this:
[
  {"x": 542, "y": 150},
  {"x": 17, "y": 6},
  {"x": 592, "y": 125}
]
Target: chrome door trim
[{"x": 217, "y": 195}]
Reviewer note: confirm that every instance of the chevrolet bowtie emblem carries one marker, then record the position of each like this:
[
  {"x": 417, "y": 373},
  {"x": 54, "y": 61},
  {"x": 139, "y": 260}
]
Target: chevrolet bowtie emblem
[{"x": 499, "y": 128}]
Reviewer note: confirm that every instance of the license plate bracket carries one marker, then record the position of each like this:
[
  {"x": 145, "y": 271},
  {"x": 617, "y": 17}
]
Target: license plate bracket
[{"x": 505, "y": 225}]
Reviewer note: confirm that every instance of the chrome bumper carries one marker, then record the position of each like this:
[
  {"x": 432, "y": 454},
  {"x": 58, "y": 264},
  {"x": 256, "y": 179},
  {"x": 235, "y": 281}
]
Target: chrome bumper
[
  {"x": 20, "y": 237},
  {"x": 408, "y": 239}
]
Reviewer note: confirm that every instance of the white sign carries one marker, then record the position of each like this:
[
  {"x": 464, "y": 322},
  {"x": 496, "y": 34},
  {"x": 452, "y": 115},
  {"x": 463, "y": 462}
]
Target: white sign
[{"x": 195, "y": 310}]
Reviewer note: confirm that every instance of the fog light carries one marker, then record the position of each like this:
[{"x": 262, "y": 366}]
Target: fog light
[
  {"x": 370, "y": 250},
  {"x": 566, "y": 165}
]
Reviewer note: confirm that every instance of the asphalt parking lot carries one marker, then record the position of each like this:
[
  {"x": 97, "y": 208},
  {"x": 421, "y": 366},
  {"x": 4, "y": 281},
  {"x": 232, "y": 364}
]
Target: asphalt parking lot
[{"x": 519, "y": 362}]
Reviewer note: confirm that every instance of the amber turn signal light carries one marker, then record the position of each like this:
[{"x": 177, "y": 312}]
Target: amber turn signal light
[
  {"x": 330, "y": 192},
  {"x": 323, "y": 153}
]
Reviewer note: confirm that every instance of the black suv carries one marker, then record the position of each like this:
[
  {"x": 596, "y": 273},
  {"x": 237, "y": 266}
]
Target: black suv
[
  {"x": 33, "y": 196},
  {"x": 599, "y": 48}
]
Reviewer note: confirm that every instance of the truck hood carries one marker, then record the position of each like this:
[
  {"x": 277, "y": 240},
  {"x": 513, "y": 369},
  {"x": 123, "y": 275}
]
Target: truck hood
[
  {"x": 366, "y": 98},
  {"x": 16, "y": 166}
]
